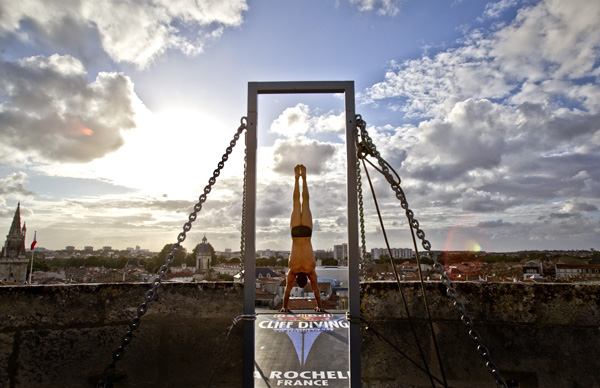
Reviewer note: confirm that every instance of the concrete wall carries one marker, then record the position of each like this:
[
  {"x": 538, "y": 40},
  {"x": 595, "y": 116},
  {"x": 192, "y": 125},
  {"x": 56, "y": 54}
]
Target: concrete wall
[
  {"x": 64, "y": 336},
  {"x": 543, "y": 335}
]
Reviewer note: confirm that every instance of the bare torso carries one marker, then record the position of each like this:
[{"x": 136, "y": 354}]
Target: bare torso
[{"x": 302, "y": 257}]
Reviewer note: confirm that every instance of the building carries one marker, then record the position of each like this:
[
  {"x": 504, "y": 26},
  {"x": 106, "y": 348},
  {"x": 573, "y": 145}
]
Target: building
[
  {"x": 265, "y": 273},
  {"x": 340, "y": 253},
  {"x": 227, "y": 269},
  {"x": 533, "y": 270},
  {"x": 397, "y": 253},
  {"x": 577, "y": 271},
  {"x": 203, "y": 257},
  {"x": 13, "y": 260}
]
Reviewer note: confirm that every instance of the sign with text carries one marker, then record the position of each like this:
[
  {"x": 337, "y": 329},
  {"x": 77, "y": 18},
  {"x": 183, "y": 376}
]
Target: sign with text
[{"x": 302, "y": 349}]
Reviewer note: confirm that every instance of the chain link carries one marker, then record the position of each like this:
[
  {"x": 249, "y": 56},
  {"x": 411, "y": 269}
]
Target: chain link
[
  {"x": 361, "y": 213},
  {"x": 150, "y": 295},
  {"x": 366, "y": 147}
]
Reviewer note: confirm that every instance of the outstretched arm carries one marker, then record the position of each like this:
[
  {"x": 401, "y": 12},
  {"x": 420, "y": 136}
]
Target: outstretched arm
[
  {"x": 315, "y": 287},
  {"x": 288, "y": 289}
]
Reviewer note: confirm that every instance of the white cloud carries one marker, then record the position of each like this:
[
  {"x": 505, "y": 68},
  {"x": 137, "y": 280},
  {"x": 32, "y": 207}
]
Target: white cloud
[
  {"x": 309, "y": 152},
  {"x": 537, "y": 56},
  {"x": 509, "y": 126},
  {"x": 13, "y": 185},
  {"x": 494, "y": 10},
  {"x": 299, "y": 120},
  {"x": 382, "y": 7},
  {"x": 53, "y": 112},
  {"x": 554, "y": 38},
  {"x": 136, "y": 32}
]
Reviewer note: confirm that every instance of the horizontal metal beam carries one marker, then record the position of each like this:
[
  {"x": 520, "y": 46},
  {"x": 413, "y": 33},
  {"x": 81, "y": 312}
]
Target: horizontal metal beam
[{"x": 285, "y": 87}]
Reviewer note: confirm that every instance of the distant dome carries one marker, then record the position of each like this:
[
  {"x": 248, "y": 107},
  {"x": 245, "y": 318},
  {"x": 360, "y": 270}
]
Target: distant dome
[{"x": 204, "y": 248}]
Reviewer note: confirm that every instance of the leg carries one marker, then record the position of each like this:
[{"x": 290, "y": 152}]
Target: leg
[
  {"x": 315, "y": 288},
  {"x": 296, "y": 218},
  {"x": 288, "y": 289},
  {"x": 306, "y": 214}
]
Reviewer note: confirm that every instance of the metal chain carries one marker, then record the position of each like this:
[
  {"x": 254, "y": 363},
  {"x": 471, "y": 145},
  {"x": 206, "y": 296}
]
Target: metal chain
[
  {"x": 365, "y": 148},
  {"x": 162, "y": 271},
  {"x": 363, "y": 261}
]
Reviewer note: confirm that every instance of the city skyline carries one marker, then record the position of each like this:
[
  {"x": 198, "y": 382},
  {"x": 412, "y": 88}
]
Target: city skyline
[{"x": 111, "y": 124}]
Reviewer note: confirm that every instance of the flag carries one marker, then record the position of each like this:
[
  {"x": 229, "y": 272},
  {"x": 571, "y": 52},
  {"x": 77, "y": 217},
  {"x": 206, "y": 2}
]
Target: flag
[{"x": 34, "y": 240}]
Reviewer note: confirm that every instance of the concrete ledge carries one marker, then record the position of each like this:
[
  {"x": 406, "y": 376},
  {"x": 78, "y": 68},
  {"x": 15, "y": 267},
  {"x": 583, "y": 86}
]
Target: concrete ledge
[{"x": 543, "y": 335}]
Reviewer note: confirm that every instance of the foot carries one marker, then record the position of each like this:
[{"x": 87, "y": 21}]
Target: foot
[
  {"x": 303, "y": 171},
  {"x": 297, "y": 171}
]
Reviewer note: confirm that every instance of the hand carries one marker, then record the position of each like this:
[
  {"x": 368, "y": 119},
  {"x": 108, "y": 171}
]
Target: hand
[
  {"x": 319, "y": 309},
  {"x": 285, "y": 310}
]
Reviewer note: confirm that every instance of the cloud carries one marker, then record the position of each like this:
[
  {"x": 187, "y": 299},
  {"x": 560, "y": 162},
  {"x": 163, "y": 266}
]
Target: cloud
[
  {"x": 493, "y": 224},
  {"x": 136, "y": 32},
  {"x": 381, "y": 7},
  {"x": 53, "y": 111},
  {"x": 554, "y": 38},
  {"x": 505, "y": 121},
  {"x": 494, "y": 10},
  {"x": 539, "y": 54},
  {"x": 313, "y": 154},
  {"x": 472, "y": 136},
  {"x": 341, "y": 221},
  {"x": 298, "y": 120},
  {"x": 485, "y": 202},
  {"x": 14, "y": 185}
]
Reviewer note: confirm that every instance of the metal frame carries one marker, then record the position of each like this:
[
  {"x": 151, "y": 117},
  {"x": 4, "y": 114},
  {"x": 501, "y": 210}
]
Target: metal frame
[{"x": 254, "y": 89}]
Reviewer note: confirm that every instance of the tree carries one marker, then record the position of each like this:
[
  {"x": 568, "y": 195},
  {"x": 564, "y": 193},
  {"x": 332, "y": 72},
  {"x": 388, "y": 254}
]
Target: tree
[
  {"x": 329, "y": 261},
  {"x": 153, "y": 264},
  {"x": 383, "y": 259}
]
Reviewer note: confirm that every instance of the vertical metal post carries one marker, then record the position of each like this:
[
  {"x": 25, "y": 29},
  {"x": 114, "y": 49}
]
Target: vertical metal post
[
  {"x": 249, "y": 232},
  {"x": 353, "y": 252}
]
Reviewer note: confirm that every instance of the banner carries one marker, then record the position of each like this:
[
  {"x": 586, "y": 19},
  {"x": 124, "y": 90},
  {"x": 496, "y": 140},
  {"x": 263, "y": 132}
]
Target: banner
[{"x": 295, "y": 350}]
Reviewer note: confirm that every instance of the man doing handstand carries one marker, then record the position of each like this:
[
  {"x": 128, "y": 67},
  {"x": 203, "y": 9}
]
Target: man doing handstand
[{"x": 302, "y": 258}]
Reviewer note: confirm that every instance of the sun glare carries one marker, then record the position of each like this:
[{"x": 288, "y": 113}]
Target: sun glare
[{"x": 170, "y": 153}]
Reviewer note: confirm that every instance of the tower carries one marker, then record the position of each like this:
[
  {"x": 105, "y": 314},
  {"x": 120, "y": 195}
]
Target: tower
[
  {"x": 13, "y": 259},
  {"x": 203, "y": 256}
]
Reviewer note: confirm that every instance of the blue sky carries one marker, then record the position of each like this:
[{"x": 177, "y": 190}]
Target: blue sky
[{"x": 113, "y": 116}]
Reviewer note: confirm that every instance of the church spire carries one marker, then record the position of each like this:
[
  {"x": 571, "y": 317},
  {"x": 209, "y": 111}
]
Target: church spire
[{"x": 15, "y": 228}]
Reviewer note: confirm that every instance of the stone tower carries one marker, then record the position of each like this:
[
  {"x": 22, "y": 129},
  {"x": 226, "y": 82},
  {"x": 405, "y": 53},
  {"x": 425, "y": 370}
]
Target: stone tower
[
  {"x": 203, "y": 256},
  {"x": 13, "y": 260}
]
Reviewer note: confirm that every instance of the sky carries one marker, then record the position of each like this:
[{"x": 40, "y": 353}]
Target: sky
[{"x": 113, "y": 116}]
